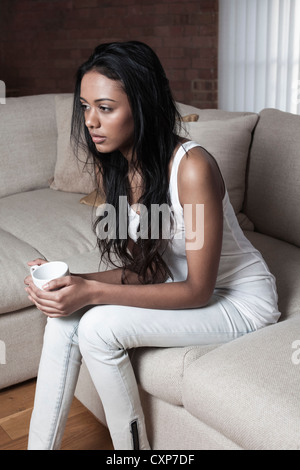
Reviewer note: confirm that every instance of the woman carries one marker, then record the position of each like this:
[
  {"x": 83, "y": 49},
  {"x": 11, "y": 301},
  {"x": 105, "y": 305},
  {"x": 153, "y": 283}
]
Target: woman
[{"x": 176, "y": 290}]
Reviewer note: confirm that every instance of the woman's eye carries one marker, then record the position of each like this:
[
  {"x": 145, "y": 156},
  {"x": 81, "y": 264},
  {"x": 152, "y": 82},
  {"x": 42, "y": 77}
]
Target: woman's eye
[
  {"x": 102, "y": 108},
  {"x": 106, "y": 109}
]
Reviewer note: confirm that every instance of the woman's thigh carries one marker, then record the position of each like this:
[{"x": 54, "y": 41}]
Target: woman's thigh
[{"x": 131, "y": 327}]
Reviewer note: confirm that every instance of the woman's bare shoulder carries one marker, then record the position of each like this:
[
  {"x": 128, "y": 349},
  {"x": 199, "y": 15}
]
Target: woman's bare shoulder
[{"x": 199, "y": 168}]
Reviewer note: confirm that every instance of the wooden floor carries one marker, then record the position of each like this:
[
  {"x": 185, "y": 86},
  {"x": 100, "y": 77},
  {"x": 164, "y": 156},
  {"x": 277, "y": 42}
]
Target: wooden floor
[{"x": 83, "y": 431}]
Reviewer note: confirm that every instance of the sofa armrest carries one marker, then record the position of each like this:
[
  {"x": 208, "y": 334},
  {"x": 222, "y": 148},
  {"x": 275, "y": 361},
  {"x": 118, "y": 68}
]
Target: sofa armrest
[{"x": 249, "y": 389}]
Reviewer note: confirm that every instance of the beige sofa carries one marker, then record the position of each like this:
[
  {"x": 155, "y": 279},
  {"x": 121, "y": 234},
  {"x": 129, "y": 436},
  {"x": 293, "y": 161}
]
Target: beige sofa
[{"x": 240, "y": 395}]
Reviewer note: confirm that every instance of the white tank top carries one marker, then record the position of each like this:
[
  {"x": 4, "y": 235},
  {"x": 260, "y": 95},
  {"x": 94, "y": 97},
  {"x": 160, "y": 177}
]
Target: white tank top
[{"x": 243, "y": 276}]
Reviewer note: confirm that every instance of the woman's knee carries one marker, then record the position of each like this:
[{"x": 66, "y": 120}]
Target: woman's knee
[
  {"x": 62, "y": 329},
  {"x": 100, "y": 328}
]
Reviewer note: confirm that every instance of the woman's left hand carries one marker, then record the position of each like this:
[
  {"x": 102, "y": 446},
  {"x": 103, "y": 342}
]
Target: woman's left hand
[{"x": 60, "y": 297}]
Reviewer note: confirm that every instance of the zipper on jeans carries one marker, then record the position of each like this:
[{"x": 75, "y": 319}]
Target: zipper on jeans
[{"x": 135, "y": 435}]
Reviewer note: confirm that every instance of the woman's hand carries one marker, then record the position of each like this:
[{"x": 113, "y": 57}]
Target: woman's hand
[{"x": 61, "y": 297}]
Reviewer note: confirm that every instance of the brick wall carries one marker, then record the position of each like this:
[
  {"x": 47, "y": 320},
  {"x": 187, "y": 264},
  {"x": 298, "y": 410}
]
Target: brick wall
[{"x": 42, "y": 42}]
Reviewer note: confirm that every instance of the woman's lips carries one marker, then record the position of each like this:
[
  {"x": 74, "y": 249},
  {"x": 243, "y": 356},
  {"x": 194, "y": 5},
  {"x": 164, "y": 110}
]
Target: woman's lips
[{"x": 97, "y": 139}]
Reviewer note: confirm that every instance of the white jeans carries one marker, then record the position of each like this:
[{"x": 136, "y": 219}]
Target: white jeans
[{"x": 102, "y": 336}]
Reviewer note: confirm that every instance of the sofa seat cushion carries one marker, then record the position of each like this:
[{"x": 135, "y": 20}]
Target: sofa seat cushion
[
  {"x": 283, "y": 260},
  {"x": 53, "y": 222},
  {"x": 22, "y": 333},
  {"x": 159, "y": 371},
  {"x": 249, "y": 390},
  {"x": 14, "y": 254}
]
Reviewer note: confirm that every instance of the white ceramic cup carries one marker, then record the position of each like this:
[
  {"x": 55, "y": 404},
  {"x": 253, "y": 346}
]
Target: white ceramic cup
[{"x": 45, "y": 273}]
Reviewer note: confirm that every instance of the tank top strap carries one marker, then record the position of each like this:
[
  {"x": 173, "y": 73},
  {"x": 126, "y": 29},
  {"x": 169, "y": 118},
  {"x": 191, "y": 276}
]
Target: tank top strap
[{"x": 183, "y": 149}]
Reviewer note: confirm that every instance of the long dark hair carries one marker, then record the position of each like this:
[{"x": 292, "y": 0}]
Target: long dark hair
[{"x": 156, "y": 118}]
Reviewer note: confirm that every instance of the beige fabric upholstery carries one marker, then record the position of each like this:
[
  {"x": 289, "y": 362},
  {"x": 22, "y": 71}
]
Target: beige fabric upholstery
[
  {"x": 160, "y": 370},
  {"x": 170, "y": 427},
  {"x": 22, "y": 333},
  {"x": 273, "y": 193},
  {"x": 14, "y": 255},
  {"x": 65, "y": 235},
  {"x": 235, "y": 389},
  {"x": 67, "y": 230},
  {"x": 28, "y": 134},
  {"x": 228, "y": 141},
  {"x": 71, "y": 174},
  {"x": 283, "y": 260},
  {"x": 210, "y": 114}
]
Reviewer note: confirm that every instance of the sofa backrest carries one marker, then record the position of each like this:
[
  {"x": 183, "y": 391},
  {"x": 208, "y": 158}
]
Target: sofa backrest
[
  {"x": 227, "y": 136},
  {"x": 273, "y": 183},
  {"x": 28, "y": 140}
]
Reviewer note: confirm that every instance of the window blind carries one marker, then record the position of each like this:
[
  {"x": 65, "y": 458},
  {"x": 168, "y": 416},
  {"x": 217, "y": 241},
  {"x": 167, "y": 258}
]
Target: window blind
[{"x": 259, "y": 55}]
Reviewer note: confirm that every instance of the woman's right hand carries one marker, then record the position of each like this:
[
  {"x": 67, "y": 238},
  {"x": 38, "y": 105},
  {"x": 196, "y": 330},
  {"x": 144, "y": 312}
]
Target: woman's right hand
[{"x": 35, "y": 262}]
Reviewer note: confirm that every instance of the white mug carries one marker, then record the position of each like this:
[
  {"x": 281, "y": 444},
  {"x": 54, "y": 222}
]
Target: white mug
[{"x": 45, "y": 273}]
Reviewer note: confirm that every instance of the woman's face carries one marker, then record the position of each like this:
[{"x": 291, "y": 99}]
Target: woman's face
[{"x": 107, "y": 113}]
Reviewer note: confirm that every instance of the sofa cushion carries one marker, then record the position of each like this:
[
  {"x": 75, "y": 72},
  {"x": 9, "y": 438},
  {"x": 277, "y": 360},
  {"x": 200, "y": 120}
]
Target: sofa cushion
[
  {"x": 248, "y": 389},
  {"x": 160, "y": 371},
  {"x": 210, "y": 114},
  {"x": 53, "y": 222},
  {"x": 283, "y": 260},
  {"x": 273, "y": 193},
  {"x": 71, "y": 174},
  {"x": 229, "y": 142},
  {"x": 28, "y": 135},
  {"x": 14, "y": 254},
  {"x": 22, "y": 332}
]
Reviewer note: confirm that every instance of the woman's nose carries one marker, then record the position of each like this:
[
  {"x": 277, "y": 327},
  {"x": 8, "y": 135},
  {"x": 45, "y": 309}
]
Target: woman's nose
[{"x": 92, "y": 119}]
